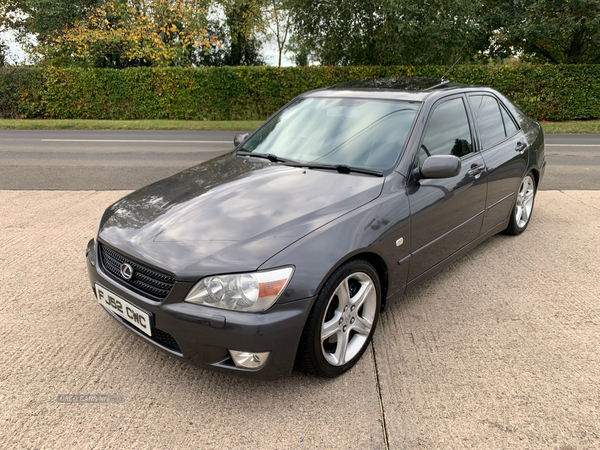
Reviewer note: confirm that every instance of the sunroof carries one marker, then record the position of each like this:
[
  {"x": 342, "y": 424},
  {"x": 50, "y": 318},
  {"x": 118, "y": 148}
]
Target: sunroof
[{"x": 410, "y": 84}]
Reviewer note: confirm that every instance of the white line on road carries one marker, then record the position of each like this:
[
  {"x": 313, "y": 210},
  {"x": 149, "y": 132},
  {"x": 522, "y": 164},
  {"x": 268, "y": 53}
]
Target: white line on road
[
  {"x": 228, "y": 142},
  {"x": 572, "y": 145},
  {"x": 138, "y": 141}
]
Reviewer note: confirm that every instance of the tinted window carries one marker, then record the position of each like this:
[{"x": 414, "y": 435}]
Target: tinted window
[
  {"x": 489, "y": 119},
  {"x": 448, "y": 131},
  {"x": 357, "y": 132},
  {"x": 510, "y": 126}
]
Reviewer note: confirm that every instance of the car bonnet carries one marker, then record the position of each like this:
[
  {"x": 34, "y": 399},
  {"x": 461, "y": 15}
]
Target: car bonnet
[{"x": 229, "y": 214}]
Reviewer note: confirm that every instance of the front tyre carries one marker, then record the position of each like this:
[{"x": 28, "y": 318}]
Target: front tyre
[
  {"x": 521, "y": 214},
  {"x": 342, "y": 321}
]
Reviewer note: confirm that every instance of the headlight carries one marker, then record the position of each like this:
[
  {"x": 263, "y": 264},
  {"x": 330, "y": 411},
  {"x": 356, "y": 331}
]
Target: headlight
[{"x": 250, "y": 292}]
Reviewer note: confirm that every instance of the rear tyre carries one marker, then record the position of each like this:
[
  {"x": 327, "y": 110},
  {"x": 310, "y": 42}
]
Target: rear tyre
[
  {"x": 341, "y": 323},
  {"x": 521, "y": 213}
]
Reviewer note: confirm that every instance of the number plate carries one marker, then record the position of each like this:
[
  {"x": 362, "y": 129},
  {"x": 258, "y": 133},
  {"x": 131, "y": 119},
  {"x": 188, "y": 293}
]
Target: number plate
[{"x": 122, "y": 308}]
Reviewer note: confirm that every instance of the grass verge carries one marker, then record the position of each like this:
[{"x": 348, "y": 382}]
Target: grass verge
[
  {"x": 76, "y": 124},
  {"x": 574, "y": 126}
]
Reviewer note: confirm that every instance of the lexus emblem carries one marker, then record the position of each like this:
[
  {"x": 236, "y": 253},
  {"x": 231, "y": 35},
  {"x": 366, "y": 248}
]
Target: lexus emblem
[{"x": 126, "y": 271}]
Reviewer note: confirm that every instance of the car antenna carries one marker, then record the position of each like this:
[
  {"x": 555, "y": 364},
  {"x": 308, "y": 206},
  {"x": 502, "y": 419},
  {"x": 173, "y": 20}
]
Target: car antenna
[{"x": 442, "y": 81}]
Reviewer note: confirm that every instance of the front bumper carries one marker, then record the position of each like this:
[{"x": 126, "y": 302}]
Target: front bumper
[{"x": 202, "y": 335}]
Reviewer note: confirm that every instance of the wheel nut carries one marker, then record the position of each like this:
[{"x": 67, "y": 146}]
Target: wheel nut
[
  {"x": 345, "y": 308},
  {"x": 345, "y": 327},
  {"x": 341, "y": 321},
  {"x": 352, "y": 309},
  {"x": 352, "y": 320}
]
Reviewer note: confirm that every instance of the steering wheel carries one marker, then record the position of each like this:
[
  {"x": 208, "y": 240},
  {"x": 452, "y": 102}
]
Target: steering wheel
[{"x": 425, "y": 148}]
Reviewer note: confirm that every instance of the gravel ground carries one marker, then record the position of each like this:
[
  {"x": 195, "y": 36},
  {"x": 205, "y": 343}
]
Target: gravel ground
[{"x": 500, "y": 350}]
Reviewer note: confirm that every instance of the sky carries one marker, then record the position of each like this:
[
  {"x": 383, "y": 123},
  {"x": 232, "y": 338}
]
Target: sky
[
  {"x": 272, "y": 55},
  {"x": 16, "y": 53}
]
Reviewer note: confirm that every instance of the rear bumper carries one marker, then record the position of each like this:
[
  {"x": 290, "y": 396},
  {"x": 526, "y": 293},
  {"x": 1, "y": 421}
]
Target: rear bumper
[{"x": 203, "y": 336}]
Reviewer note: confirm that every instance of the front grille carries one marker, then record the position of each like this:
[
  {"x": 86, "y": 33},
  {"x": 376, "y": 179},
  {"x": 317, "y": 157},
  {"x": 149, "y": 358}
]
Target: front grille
[
  {"x": 165, "y": 339},
  {"x": 147, "y": 281}
]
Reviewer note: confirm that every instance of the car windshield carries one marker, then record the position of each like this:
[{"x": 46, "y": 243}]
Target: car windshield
[{"x": 359, "y": 133}]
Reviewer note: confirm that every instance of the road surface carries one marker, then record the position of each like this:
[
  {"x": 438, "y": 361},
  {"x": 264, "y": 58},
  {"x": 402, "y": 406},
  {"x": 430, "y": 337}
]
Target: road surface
[{"x": 113, "y": 160}]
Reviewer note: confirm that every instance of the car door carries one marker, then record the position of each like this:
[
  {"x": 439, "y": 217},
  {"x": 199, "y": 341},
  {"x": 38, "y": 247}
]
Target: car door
[
  {"x": 446, "y": 214},
  {"x": 504, "y": 153}
]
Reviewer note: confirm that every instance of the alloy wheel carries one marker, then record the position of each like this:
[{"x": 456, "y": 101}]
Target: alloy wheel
[
  {"x": 348, "y": 319},
  {"x": 524, "y": 202}
]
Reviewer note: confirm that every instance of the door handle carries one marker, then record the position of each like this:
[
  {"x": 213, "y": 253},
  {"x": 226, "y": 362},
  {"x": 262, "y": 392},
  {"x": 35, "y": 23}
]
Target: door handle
[
  {"x": 521, "y": 147},
  {"x": 476, "y": 170}
]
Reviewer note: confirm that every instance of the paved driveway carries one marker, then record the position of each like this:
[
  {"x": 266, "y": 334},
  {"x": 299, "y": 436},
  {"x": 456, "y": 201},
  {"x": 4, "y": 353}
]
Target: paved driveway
[{"x": 500, "y": 350}]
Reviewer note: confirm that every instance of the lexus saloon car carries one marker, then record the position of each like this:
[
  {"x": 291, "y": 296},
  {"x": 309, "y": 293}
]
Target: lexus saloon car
[{"x": 284, "y": 252}]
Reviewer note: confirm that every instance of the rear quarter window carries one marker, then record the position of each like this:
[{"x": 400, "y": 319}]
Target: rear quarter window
[{"x": 509, "y": 124}]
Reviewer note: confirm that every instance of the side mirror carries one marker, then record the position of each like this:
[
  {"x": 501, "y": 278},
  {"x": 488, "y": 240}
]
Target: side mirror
[
  {"x": 439, "y": 166},
  {"x": 240, "y": 138}
]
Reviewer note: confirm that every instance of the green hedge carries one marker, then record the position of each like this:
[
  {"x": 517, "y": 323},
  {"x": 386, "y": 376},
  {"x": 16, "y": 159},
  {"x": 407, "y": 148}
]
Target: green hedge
[
  {"x": 547, "y": 92},
  {"x": 21, "y": 92}
]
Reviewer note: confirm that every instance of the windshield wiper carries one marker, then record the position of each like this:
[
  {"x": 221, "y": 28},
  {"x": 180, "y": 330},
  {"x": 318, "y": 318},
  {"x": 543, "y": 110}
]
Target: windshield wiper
[
  {"x": 272, "y": 158},
  {"x": 343, "y": 168}
]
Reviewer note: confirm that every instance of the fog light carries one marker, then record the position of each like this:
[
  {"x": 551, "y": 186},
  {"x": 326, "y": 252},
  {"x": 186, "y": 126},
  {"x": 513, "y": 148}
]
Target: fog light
[{"x": 249, "y": 360}]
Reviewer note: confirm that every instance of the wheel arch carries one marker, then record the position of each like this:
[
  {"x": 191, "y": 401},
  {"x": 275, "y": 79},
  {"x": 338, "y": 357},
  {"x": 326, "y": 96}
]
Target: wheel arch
[
  {"x": 375, "y": 260},
  {"x": 536, "y": 176}
]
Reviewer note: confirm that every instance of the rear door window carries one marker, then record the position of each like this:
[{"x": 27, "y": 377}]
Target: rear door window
[{"x": 489, "y": 119}]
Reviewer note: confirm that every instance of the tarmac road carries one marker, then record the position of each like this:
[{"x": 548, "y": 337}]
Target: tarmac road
[{"x": 113, "y": 160}]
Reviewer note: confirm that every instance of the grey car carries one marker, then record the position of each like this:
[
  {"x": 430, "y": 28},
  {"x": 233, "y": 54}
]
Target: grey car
[{"x": 284, "y": 252}]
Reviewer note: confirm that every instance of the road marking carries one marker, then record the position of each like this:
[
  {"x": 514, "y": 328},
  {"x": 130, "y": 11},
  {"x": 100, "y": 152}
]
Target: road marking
[
  {"x": 227, "y": 142},
  {"x": 138, "y": 141},
  {"x": 572, "y": 145}
]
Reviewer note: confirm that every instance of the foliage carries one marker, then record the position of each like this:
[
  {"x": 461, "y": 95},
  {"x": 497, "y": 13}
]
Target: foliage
[
  {"x": 386, "y": 32},
  {"x": 554, "y": 31},
  {"x": 126, "y": 33},
  {"x": 299, "y": 50},
  {"x": 278, "y": 24},
  {"x": 42, "y": 18},
  {"x": 244, "y": 22},
  {"x": 4, "y": 53},
  {"x": 218, "y": 52},
  {"x": 545, "y": 92},
  {"x": 21, "y": 92}
]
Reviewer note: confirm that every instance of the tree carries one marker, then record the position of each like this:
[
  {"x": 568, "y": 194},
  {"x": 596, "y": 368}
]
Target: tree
[
  {"x": 42, "y": 18},
  {"x": 221, "y": 52},
  {"x": 125, "y": 33},
  {"x": 299, "y": 50},
  {"x": 217, "y": 53},
  {"x": 370, "y": 32},
  {"x": 557, "y": 31},
  {"x": 278, "y": 24},
  {"x": 433, "y": 32},
  {"x": 244, "y": 22},
  {"x": 338, "y": 32},
  {"x": 4, "y": 54}
]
